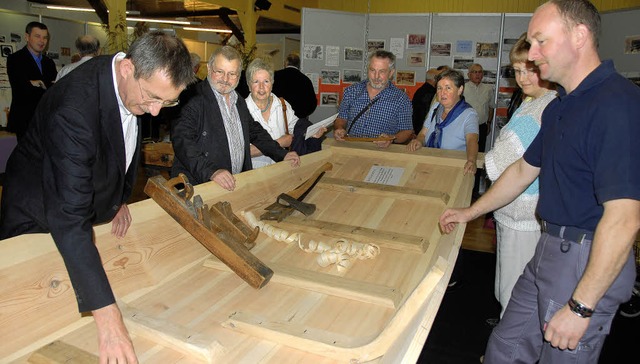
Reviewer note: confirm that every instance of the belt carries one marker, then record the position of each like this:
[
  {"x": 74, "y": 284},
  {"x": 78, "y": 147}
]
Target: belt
[{"x": 571, "y": 233}]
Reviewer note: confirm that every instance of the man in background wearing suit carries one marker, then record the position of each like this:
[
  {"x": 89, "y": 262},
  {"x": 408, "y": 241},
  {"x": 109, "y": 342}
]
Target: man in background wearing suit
[
  {"x": 295, "y": 87},
  {"x": 76, "y": 166},
  {"x": 30, "y": 74}
]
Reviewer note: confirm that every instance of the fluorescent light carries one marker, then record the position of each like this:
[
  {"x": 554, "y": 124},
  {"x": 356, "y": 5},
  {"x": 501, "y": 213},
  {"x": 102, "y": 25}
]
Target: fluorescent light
[
  {"x": 167, "y": 21},
  {"x": 73, "y": 8},
  {"x": 208, "y": 30}
]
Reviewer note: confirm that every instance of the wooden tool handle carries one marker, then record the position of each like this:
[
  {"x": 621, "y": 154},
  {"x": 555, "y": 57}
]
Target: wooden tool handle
[
  {"x": 368, "y": 139},
  {"x": 300, "y": 190}
]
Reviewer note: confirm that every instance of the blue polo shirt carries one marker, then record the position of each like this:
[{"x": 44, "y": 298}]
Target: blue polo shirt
[
  {"x": 588, "y": 149},
  {"x": 390, "y": 114}
]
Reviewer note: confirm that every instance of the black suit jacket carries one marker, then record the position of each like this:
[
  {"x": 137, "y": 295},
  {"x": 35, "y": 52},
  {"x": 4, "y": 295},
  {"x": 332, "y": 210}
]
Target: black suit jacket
[
  {"x": 68, "y": 173},
  {"x": 21, "y": 68},
  {"x": 297, "y": 89},
  {"x": 421, "y": 102},
  {"x": 200, "y": 142}
]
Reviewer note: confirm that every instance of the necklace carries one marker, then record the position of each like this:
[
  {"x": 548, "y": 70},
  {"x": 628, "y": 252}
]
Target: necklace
[{"x": 267, "y": 107}]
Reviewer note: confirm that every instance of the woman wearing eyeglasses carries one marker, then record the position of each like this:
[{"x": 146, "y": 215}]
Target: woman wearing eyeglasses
[{"x": 517, "y": 228}]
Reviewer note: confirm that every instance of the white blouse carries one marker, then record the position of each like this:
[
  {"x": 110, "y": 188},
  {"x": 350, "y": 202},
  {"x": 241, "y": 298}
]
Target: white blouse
[{"x": 274, "y": 126}]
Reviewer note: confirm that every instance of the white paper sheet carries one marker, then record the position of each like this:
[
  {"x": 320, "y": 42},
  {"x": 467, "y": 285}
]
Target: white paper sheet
[{"x": 320, "y": 124}]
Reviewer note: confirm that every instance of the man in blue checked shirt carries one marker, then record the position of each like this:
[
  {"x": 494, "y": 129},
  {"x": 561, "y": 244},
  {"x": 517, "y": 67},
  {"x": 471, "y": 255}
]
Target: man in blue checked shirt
[{"x": 375, "y": 107}]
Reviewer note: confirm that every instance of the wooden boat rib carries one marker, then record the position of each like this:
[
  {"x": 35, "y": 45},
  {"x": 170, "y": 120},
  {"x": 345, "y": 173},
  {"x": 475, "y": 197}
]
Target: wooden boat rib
[{"x": 182, "y": 305}]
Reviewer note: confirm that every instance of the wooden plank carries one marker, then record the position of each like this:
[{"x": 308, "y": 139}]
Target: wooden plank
[
  {"x": 379, "y": 190},
  {"x": 326, "y": 283},
  {"x": 361, "y": 234},
  {"x": 59, "y": 352},
  {"x": 329, "y": 344},
  {"x": 176, "y": 337}
]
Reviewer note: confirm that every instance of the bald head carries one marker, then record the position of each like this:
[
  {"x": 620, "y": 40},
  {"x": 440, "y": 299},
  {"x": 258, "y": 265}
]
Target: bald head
[
  {"x": 88, "y": 45},
  {"x": 431, "y": 76}
]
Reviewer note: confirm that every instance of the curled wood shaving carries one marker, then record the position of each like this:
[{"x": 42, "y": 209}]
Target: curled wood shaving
[
  {"x": 270, "y": 230},
  {"x": 341, "y": 253}
]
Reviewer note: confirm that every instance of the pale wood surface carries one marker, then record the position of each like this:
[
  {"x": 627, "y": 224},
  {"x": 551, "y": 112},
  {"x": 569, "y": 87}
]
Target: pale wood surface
[{"x": 183, "y": 306}]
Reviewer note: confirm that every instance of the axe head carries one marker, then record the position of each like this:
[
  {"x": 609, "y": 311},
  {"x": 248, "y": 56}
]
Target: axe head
[{"x": 284, "y": 206}]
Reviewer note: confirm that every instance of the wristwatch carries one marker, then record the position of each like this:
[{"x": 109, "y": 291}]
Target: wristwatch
[{"x": 579, "y": 308}]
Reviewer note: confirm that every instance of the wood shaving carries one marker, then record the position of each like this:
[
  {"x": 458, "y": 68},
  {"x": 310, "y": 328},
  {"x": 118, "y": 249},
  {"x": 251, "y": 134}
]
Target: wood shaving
[{"x": 341, "y": 253}]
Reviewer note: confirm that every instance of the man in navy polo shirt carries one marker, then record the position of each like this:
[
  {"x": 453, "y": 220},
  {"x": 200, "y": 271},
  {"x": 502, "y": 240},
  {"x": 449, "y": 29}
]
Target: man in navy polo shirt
[
  {"x": 563, "y": 304},
  {"x": 375, "y": 107}
]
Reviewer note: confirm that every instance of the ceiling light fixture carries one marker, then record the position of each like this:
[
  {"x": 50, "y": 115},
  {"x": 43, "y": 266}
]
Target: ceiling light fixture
[
  {"x": 208, "y": 30},
  {"x": 73, "y": 8},
  {"x": 164, "y": 21}
]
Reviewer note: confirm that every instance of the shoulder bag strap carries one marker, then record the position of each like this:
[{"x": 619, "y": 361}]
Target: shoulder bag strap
[
  {"x": 360, "y": 114},
  {"x": 284, "y": 112}
]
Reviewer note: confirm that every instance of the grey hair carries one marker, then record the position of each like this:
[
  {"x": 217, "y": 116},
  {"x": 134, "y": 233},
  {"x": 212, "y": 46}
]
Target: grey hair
[
  {"x": 256, "y": 65},
  {"x": 381, "y": 53},
  {"x": 195, "y": 59},
  {"x": 228, "y": 52},
  {"x": 158, "y": 51}
]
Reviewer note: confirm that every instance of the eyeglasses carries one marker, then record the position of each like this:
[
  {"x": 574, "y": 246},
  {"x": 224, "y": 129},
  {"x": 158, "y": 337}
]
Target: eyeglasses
[
  {"x": 475, "y": 71},
  {"x": 223, "y": 74},
  {"x": 525, "y": 72},
  {"x": 152, "y": 101}
]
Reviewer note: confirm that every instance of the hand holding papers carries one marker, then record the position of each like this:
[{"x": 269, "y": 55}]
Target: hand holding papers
[{"x": 320, "y": 124}]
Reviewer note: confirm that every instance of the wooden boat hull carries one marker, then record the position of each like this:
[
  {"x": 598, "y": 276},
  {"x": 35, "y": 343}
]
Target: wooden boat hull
[{"x": 182, "y": 305}]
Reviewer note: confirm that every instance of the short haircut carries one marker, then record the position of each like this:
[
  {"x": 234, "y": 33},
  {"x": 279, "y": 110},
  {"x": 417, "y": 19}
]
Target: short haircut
[
  {"x": 195, "y": 59},
  {"x": 256, "y": 65},
  {"x": 293, "y": 59},
  {"x": 456, "y": 77},
  {"x": 431, "y": 74},
  {"x": 576, "y": 12},
  {"x": 158, "y": 51},
  {"x": 476, "y": 65},
  {"x": 443, "y": 67},
  {"x": 520, "y": 51},
  {"x": 228, "y": 52},
  {"x": 35, "y": 24},
  {"x": 87, "y": 45},
  {"x": 380, "y": 53}
]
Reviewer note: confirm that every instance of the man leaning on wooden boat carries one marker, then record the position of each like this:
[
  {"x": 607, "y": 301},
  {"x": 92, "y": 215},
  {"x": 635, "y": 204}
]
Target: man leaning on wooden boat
[{"x": 76, "y": 166}]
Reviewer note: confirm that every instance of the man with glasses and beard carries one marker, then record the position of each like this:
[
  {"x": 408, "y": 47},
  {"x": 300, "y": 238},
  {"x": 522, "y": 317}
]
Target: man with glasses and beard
[
  {"x": 212, "y": 133},
  {"x": 375, "y": 107}
]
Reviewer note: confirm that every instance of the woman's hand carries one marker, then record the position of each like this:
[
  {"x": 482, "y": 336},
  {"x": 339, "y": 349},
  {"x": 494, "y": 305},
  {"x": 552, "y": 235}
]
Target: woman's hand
[
  {"x": 414, "y": 145},
  {"x": 470, "y": 167}
]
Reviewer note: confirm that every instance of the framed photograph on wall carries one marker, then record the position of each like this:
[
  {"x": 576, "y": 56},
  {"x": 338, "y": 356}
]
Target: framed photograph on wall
[
  {"x": 6, "y": 50},
  {"x": 416, "y": 59},
  {"x": 330, "y": 77},
  {"x": 328, "y": 98},
  {"x": 352, "y": 54},
  {"x": 351, "y": 76},
  {"x": 406, "y": 78},
  {"x": 416, "y": 40}
]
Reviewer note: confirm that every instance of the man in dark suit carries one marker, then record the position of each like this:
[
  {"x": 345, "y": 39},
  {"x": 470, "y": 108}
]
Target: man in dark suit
[
  {"x": 295, "y": 87},
  {"x": 30, "y": 74},
  {"x": 422, "y": 99},
  {"x": 212, "y": 133},
  {"x": 76, "y": 166}
]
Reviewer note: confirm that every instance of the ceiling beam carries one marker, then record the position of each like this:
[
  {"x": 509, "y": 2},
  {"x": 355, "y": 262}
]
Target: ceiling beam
[
  {"x": 101, "y": 10},
  {"x": 186, "y": 13},
  {"x": 231, "y": 25}
]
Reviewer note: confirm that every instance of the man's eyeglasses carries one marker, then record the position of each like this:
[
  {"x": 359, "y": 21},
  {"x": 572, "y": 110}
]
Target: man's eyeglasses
[
  {"x": 525, "y": 72},
  {"x": 152, "y": 101},
  {"x": 223, "y": 74},
  {"x": 475, "y": 71}
]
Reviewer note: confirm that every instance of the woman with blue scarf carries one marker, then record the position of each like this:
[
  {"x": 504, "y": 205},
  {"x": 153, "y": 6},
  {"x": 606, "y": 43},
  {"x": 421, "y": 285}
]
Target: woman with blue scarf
[{"x": 452, "y": 123}]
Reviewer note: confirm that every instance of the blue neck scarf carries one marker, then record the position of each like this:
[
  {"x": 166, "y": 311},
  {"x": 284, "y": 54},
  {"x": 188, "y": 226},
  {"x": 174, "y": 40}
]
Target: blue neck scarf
[{"x": 435, "y": 139}]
